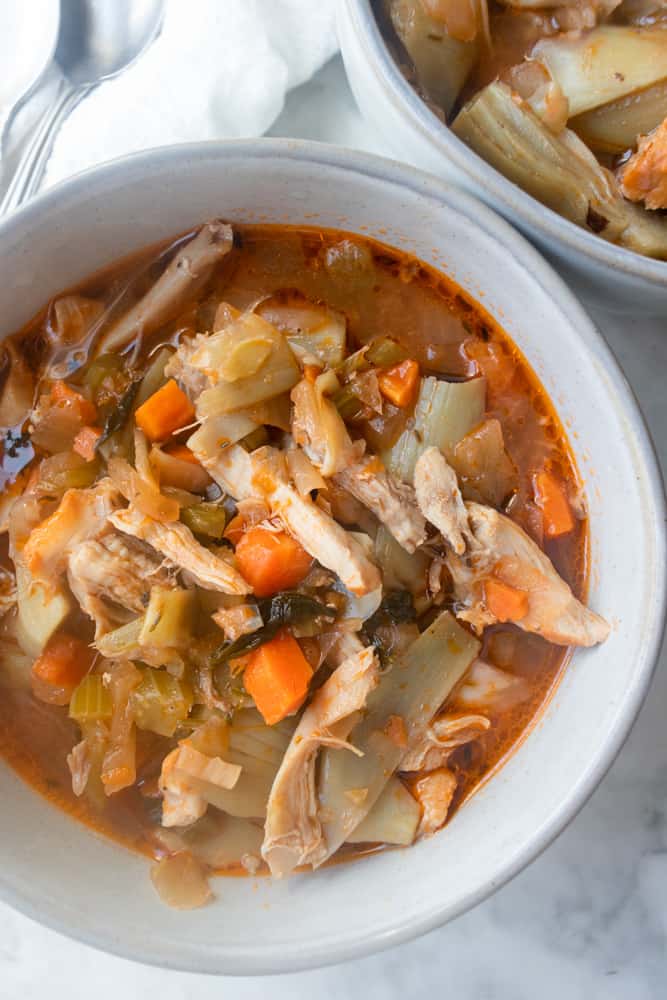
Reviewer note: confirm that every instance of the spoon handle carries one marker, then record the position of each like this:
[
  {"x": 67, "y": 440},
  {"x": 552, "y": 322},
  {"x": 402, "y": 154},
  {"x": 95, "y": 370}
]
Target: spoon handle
[{"x": 30, "y": 170}]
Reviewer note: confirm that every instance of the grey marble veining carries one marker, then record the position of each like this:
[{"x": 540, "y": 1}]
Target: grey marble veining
[{"x": 587, "y": 921}]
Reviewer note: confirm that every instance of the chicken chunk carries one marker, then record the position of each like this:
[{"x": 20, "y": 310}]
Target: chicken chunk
[
  {"x": 487, "y": 544},
  {"x": 319, "y": 429},
  {"x": 446, "y": 733},
  {"x": 434, "y": 793},
  {"x": 644, "y": 176},
  {"x": 440, "y": 500},
  {"x": 114, "y": 572},
  {"x": 293, "y": 831},
  {"x": 188, "y": 271},
  {"x": 179, "y": 546},
  {"x": 393, "y": 503},
  {"x": 81, "y": 514},
  {"x": 503, "y": 550}
]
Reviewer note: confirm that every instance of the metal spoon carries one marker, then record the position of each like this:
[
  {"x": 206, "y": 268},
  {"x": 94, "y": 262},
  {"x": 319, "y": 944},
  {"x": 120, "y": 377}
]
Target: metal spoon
[
  {"x": 97, "y": 40},
  {"x": 28, "y": 38}
]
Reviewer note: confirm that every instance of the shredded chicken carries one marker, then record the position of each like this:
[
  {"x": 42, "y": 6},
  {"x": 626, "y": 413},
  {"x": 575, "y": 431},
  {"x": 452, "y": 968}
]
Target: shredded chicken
[
  {"x": 434, "y": 793},
  {"x": 392, "y": 502},
  {"x": 504, "y": 550},
  {"x": 179, "y": 546},
  {"x": 79, "y": 764},
  {"x": 293, "y": 830},
  {"x": 439, "y": 498},
  {"x": 81, "y": 514},
  {"x": 494, "y": 546},
  {"x": 111, "y": 572},
  {"x": 446, "y": 733},
  {"x": 644, "y": 176},
  {"x": 188, "y": 271},
  {"x": 319, "y": 429}
]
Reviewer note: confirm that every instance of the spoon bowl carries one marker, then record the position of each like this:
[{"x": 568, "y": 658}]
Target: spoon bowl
[{"x": 97, "y": 40}]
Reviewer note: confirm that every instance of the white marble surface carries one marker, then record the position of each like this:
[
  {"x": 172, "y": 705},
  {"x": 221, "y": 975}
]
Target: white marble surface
[{"x": 587, "y": 921}]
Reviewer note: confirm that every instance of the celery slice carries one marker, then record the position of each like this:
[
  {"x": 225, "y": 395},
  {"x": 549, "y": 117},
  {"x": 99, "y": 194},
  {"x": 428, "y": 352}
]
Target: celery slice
[
  {"x": 91, "y": 701},
  {"x": 160, "y": 702},
  {"x": 169, "y": 618},
  {"x": 205, "y": 519}
]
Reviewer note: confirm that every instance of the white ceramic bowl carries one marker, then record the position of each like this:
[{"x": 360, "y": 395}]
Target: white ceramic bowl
[
  {"x": 56, "y": 870},
  {"x": 607, "y": 275}
]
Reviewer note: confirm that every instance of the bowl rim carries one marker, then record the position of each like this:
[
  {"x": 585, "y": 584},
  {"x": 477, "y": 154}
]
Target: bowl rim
[
  {"x": 509, "y": 197},
  {"x": 377, "y": 168}
]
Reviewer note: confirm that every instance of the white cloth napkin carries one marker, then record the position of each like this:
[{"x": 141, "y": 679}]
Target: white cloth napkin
[{"x": 219, "y": 69}]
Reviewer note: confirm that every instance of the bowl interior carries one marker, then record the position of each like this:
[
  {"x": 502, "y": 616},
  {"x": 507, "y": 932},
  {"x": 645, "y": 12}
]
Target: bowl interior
[
  {"x": 389, "y": 100},
  {"x": 59, "y": 872}
]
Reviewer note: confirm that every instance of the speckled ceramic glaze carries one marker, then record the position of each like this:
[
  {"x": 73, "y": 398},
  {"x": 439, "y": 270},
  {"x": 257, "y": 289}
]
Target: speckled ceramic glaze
[
  {"x": 605, "y": 274},
  {"x": 56, "y": 870}
]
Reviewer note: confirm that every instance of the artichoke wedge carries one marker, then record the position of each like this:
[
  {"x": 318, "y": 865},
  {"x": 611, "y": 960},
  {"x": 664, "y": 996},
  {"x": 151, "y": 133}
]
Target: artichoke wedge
[
  {"x": 558, "y": 170},
  {"x": 442, "y": 63},
  {"x": 605, "y": 64}
]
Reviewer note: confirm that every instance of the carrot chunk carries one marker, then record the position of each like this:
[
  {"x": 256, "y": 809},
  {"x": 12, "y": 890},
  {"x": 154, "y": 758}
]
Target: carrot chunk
[
  {"x": 63, "y": 395},
  {"x": 271, "y": 560},
  {"x": 399, "y": 384},
  {"x": 60, "y": 667},
  {"x": 507, "y": 604},
  {"x": 164, "y": 412},
  {"x": 277, "y": 677},
  {"x": 86, "y": 441},
  {"x": 550, "y": 497}
]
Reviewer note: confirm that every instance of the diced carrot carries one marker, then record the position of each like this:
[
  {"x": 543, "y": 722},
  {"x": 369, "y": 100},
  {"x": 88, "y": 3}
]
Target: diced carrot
[
  {"x": 277, "y": 677},
  {"x": 399, "y": 384},
  {"x": 164, "y": 412},
  {"x": 63, "y": 395},
  {"x": 60, "y": 667},
  {"x": 551, "y": 498},
  {"x": 86, "y": 441},
  {"x": 271, "y": 560},
  {"x": 235, "y": 529},
  {"x": 182, "y": 452},
  {"x": 506, "y": 603}
]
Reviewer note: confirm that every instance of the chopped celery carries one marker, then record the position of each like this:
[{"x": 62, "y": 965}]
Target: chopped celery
[
  {"x": 393, "y": 819},
  {"x": 205, "y": 519},
  {"x": 91, "y": 701},
  {"x": 347, "y": 402},
  {"x": 106, "y": 366},
  {"x": 444, "y": 413},
  {"x": 160, "y": 702},
  {"x": 386, "y": 352},
  {"x": 169, "y": 618},
  {"x": 419, "y": 681}
]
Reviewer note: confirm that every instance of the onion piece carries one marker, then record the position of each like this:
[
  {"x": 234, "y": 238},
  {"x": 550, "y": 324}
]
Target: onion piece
[{"x": 181, "y": 881}]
